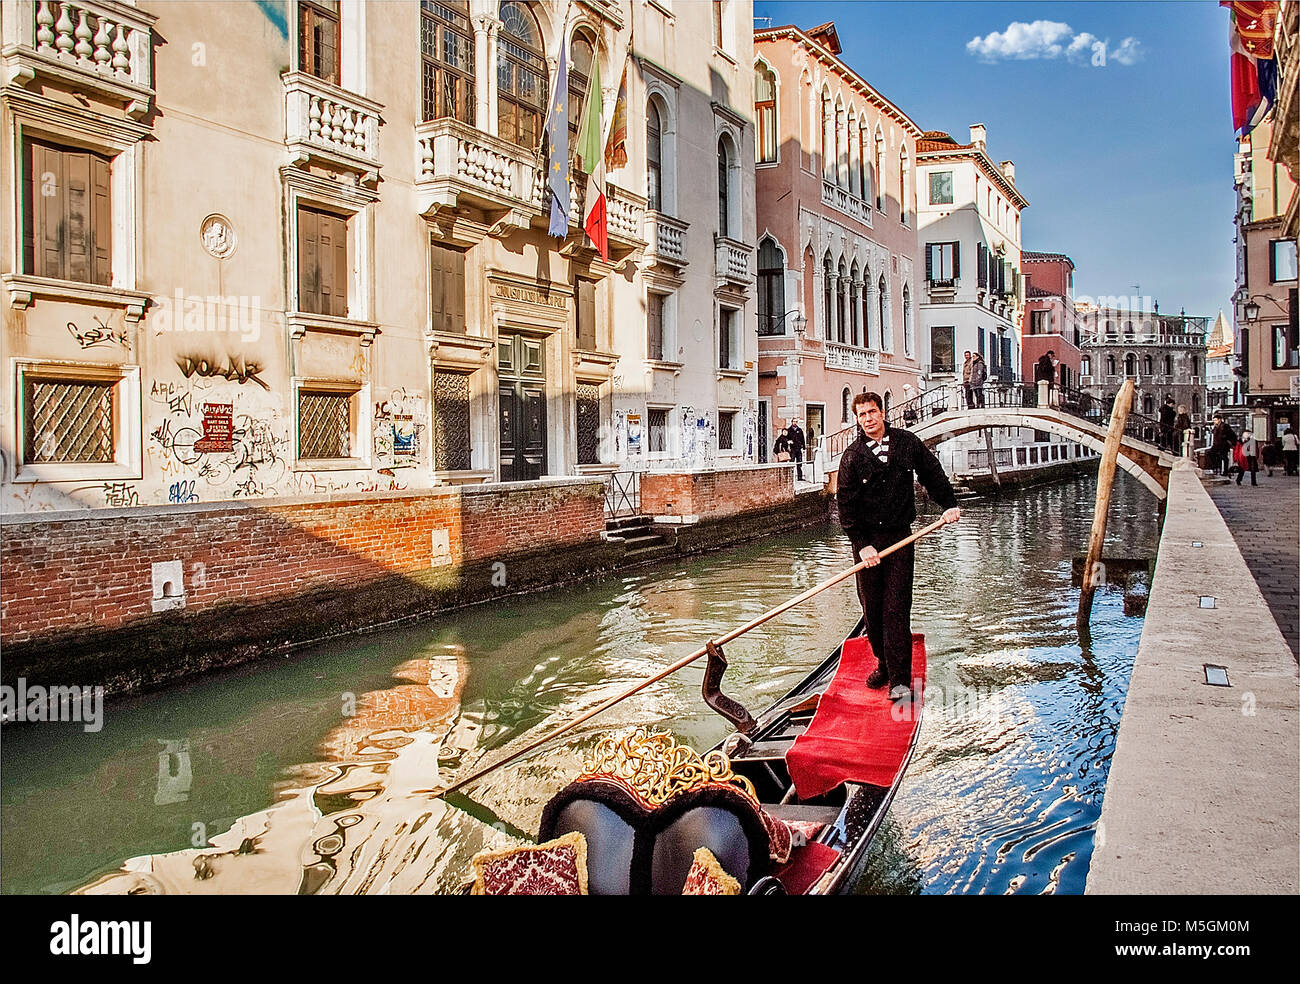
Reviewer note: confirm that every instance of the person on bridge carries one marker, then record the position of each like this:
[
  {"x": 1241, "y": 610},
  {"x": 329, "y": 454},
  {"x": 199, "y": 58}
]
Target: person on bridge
[
  {"x": 877, "y": 503},
  {"x": 797, "y": 447},
  {"x": 979, "y": 372},
  {"x": 1167, "y": 415},
  {"x": 1222, "y": 440},
  {"x": 966, "y": 390},
  {"x": 1045, "y": 372},
  {"x": 1182, "y": 424}
]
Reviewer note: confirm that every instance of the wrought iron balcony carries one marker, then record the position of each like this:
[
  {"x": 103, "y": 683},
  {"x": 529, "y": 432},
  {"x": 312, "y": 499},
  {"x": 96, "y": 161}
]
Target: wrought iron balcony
[
  {"x": 97, "y": 47},
  {"x": 332, "y": 125}
]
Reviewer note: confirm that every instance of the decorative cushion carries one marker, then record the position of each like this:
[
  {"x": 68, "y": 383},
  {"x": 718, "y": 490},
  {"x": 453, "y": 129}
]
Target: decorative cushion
[
  {"x": 707, "y": 877},
  {"x": 558, "y": 867}
]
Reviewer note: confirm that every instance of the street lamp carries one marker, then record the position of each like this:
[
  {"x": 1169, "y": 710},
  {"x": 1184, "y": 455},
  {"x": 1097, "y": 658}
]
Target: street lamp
[
  {"x": 800, "y": 324},
  {"x": 1251, "y": 307}
]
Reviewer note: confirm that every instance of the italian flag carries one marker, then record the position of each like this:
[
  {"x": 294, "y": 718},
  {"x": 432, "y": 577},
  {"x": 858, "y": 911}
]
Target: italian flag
[{"x": 591, "y": 153}]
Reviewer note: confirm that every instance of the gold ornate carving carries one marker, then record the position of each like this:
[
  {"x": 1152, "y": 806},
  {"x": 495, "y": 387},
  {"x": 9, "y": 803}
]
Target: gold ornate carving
[{"x": 657, "y": 768}]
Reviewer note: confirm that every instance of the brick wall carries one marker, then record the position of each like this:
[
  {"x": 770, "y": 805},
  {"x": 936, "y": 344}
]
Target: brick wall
[
  {"x": 699, "y": 495},
  {"x": 75, "y": 573}
]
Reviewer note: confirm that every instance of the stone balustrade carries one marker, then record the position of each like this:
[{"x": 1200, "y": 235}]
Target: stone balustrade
[
  {"x": 840, "y": 200},
  {"x": 325, "y": 121},
  {"x": 666, "y": 237},
  {"x": 732, "y": 259},
  {"x": 98, "y": 46},
  {"x": 852, "y": 358}
]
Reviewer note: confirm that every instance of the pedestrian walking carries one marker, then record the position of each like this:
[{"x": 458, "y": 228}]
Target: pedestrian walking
[
  {"x": 781, "y": 449},
  {"x": 979, "y": 372},
  {"x": 1291, "y": 451},
  {"x": 877, "y": 503},
  {"x": 797, "y": 447},
  {"x": 1167, "y": 416},
  {"x": 1182, "y": 426},
  {"x": 965, "y": 381},
  {"x": 1222, "y": 439},
  {"x": 1249, "y": 459}
]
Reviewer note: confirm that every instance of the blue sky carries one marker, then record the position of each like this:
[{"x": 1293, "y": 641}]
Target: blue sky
[{"x": 1127, "y": 166}]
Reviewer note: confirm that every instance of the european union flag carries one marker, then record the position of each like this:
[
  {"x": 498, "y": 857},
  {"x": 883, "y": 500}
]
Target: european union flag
[{"x": 557, "y": 159}]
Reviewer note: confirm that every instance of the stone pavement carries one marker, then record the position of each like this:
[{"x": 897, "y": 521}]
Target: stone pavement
[{"x": 1265, "y": 523}]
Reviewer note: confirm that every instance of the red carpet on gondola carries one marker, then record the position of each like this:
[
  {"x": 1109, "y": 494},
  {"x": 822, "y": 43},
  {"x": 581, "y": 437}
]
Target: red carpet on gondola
[{"x": 856, "y": 734}]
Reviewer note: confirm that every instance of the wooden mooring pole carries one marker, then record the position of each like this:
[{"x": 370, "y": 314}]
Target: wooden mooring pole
[{"x": 1105, "y": 481}]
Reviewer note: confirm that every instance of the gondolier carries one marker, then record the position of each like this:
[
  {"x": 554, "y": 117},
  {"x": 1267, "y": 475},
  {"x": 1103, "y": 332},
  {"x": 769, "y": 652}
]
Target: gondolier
[{"x": 877, "y": 504}]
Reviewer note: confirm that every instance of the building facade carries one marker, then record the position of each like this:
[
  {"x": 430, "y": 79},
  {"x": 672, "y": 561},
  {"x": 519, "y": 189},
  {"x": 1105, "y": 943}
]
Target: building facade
[
  {"x": 968, "y": 224},
  {"x": 1163, "y": 354},
  {"x": 1265, "y": 304},
  {"x": 319, "y": 260},
  {"x": 836, "y": 235},
  {"x": 1049, "y": 321}
]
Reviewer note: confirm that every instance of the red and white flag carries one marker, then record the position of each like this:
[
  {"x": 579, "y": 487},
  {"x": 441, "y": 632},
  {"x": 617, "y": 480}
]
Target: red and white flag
[{"x": 594, "y": 218}]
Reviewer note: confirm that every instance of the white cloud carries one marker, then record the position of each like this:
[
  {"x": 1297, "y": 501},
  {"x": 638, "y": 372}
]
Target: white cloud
[
  {"x": 1050, "y": 40},
  {"x": 1041, "y": 39},
  {"x": 1128, "y": 52}
]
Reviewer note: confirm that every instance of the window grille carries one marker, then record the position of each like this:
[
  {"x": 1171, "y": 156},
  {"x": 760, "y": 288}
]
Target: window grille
[{"x": 68, "y": 421}]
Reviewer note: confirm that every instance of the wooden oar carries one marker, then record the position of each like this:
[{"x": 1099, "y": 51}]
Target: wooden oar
[{"x": 687, "y": 660}]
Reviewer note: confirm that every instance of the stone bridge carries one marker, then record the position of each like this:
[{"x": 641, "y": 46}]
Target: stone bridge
[{"x": 1072, "y": 415}]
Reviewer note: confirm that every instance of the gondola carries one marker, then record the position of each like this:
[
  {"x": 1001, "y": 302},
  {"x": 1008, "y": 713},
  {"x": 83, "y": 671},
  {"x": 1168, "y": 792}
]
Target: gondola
[{"x": 788, "y": 803}]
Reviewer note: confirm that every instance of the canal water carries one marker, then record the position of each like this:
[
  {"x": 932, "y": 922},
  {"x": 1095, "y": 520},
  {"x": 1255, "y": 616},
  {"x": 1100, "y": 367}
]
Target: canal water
[{"x": 311, "y": 773}]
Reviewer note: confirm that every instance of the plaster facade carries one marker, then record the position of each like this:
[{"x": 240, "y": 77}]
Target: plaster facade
[{"x": 307, "y": 274}]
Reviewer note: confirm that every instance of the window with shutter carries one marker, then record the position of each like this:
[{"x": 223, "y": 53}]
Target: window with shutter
[
  {"x": 322, "y": 263},
  {"x": 655, "y": 326},
  {"x": 585, "y": 291},
  {"x": 67, "y": 214},
  {"x": 446, "y": 289},
  {"x": 982, "y": 264}
]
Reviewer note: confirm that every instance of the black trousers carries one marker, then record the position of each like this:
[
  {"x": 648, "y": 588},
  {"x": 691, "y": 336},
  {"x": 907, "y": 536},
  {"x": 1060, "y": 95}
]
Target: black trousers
[{"x": 886, "y": 595}]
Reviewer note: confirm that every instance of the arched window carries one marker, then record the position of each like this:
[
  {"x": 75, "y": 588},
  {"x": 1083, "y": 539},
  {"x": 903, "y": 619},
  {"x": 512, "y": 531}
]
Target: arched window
[
  {"x": 1085, "y": 365},
  {"x": 864, "y": 155},
  {"x": 1169, "y": 365},
  {"x": 841, "y": 147},
  {"x": 581, "y": 53},
  {"x": 447, "y": 61},
  {"x": 1196, "y": 366},
  {"x": 521, "y": 76},
  {"x": 855, "y": 307},
  {"x": 1128, "y": 327},
  {"x": 771, "y": 288},
  {"x": 855, "y": 160},
  {"x": 889, "y": 398},
  {"x": 765, "y": 112},
  {"x": 904, "y": 176},
  {"x": 841, "y": 304},
  {"x": 1110, "y": 365},
  {"x": 1148, "y": 366},
  {"x": 909, "y": 329},
  {"x": 886, "y": 335},
  {"x": 654, "y": 177},
  {"x": 828, "y": 318},
  {"x": 724, "y": 189},
  {"x": 828, "y": 138},
  {"x": 1196, "y": 403},
  {"x": 846, "y": 402},
  {"x": 1148, "y": 405},
  {"x": 878, "y": 178},
  {"x": 1130, "y": 365}
]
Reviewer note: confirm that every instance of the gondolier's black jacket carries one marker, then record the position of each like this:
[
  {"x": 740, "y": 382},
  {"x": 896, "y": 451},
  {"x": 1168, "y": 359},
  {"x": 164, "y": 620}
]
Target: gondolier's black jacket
[{"x": 873, "y": 497}]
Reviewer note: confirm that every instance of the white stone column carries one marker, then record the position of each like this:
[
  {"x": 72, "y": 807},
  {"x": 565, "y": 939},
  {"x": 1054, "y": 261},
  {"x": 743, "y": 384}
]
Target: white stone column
[
  {"x": 485, "y": 67},
  {"x": 873, "y": 333}
]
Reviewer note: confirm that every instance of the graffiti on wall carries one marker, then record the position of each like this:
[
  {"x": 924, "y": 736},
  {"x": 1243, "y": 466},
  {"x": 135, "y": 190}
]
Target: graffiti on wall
[
  {"x": 98, "y": 333},
  {"x": 239, "y": 370}
]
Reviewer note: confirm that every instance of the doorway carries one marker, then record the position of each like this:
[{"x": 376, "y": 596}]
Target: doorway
[
  {"x": 521, "y": 395},
  {"x": 764, "y": 432},
  {"x": 816, "y": 427}
]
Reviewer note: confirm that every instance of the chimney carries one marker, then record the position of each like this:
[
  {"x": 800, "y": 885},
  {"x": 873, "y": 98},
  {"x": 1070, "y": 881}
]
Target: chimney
[
  {"x": 1009, "y": 170},
  {"x": 977, "y": 135}
]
